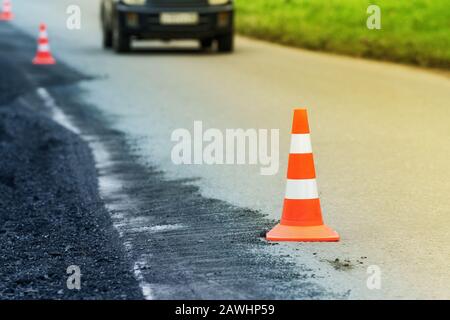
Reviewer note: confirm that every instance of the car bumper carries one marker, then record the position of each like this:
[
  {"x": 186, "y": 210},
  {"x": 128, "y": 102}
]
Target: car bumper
[{"x": 144, "y": 22}]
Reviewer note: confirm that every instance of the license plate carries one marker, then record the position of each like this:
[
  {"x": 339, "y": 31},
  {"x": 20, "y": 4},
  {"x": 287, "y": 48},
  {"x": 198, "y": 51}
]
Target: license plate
[{"x": 179, "y": 18}]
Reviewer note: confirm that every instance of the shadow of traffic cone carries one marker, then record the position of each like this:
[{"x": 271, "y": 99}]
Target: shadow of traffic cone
[
  {"x": 6, "y": 14},
  {"x": 43, "y": 55},
  {"x": 302, "y": 215}
]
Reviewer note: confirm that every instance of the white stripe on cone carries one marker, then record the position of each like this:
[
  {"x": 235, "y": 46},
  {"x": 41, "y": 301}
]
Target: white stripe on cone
[
  {"x": 302, "y": 189},
  {"x": 43, "y": 48},
  {"x": 301, "y": 144}
]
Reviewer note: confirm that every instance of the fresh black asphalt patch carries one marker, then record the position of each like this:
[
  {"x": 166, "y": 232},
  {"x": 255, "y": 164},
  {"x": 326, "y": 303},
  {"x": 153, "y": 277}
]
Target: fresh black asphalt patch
[
  {"x": 51, "y": 216},
  {"x": 171, "y": 241}
]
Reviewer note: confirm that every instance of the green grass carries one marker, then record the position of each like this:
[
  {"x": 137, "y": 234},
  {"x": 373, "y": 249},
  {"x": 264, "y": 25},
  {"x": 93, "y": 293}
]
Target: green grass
[{"x": 413, "y": 31}]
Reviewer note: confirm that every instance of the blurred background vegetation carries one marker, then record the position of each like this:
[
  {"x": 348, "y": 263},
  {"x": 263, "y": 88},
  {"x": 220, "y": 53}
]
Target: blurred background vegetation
[{"x": 413, "y": 31}]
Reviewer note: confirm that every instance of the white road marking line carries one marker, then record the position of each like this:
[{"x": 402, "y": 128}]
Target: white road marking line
[
  {"x": 57, "y": 114},
  {"x": 109, "y": 187},
  {"x": 154, "y": 229},
  {"x": 145, "y": 287}
]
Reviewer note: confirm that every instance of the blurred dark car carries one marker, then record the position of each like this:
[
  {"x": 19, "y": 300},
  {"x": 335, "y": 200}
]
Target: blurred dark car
[{"x": 204, "y": 20}]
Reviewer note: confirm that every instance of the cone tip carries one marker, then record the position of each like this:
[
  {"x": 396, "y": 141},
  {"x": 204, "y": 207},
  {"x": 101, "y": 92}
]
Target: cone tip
[{"x": 300, "y": 124}]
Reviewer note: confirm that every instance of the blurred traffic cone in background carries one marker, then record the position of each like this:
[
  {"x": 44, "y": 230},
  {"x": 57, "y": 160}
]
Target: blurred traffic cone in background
[
  {"x": 302, "y": 215},
  {"x": 43, "y": 55},
  {"x": 6, "y": 14}
]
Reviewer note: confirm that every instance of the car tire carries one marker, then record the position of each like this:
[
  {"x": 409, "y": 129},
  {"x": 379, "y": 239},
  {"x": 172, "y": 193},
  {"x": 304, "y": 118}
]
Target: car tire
[
  {"x": 107, "y": 38},
  {"x": 106, "y": 32},
  {"x": 206, "y": 44},
  {"x": 121, "y": 42},
  {"x": 226, "y": 43}
]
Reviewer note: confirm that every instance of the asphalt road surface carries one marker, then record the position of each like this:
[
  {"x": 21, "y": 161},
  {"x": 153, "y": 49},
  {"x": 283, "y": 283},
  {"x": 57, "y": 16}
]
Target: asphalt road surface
[
  {"x": 380, "y": 136},
  {"x": 51, "y": 214},
  {"x": 132, "y": 233}
]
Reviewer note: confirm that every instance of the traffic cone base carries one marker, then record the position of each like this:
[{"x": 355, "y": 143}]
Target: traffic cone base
[
  {"x": 46, "y": 61},
  {"x": 6, "y": 16},
  {"x": 320, "y": 233}
]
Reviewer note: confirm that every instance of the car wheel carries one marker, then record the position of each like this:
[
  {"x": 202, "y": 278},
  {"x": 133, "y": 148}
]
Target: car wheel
[
  {"x": 206, "y": 44},
  {"x": 121, "y": 41},
  {"x": 107, "y": 38},
  {"x": 226, "y": 43}
]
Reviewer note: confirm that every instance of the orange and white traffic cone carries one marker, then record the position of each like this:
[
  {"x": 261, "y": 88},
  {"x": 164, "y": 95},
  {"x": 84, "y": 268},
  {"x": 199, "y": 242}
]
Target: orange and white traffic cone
[
  {"x": 43, "y": 55},
  {"x": 6, "y": 14},
  {"x": 302, "y": 215}
]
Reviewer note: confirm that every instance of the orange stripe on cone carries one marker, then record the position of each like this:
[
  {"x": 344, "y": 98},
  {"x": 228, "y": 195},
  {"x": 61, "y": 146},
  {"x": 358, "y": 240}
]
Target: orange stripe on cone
[
  {"x": 300, "y": 123},
  {"x": 292, "y": 207},
  {"x": 43, "y": 55},
  {"x": 301, "y": 166},
  {"x": 302, "y": 214}
]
